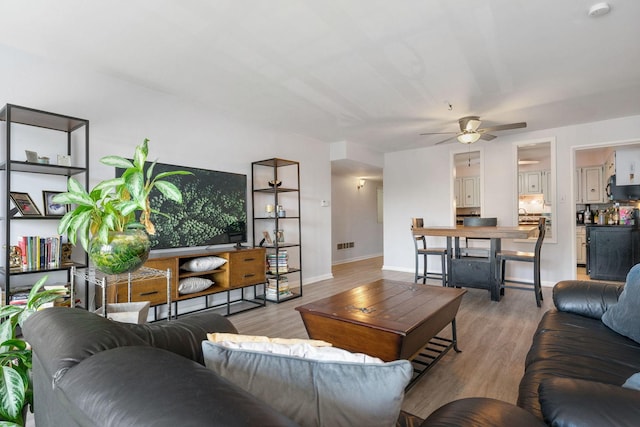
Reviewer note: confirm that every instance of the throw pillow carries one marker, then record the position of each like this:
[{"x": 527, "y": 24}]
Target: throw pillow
[
  {"x": 239, "y": 338},
  {"x": 316, "y": 392},
  {"x": 191, "y": 285},
  {"x": 204, "y": 263},
  {"x": 633, "y": 382},
  {"x": 624, "y": 316}
]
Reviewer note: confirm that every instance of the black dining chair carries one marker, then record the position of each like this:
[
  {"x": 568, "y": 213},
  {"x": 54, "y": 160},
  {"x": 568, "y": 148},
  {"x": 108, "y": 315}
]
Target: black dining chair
[
  {"x": 531, "y": 257},
  {"x": 475, "y": 221},
  {"x": 423, "y": 251}
]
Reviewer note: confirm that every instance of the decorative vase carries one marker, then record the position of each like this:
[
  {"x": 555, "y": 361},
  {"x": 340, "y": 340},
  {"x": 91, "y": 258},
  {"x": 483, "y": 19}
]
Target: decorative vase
[{"x": 126, "y": 251}]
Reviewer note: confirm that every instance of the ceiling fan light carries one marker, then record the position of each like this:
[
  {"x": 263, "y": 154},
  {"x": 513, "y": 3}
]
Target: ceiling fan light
[{"x": 468, "y": 138}]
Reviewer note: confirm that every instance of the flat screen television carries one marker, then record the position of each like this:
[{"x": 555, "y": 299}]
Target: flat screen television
[{"x": 213, "y": 209}]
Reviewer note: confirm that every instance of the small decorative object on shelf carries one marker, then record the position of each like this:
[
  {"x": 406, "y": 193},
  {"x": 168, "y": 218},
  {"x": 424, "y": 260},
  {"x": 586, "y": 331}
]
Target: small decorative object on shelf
[
  {"x": 275, "y": 183},
  {"x": 109, "y": 231},
  {"x": 24, "y": 204},
  {"x": 65, "y": 257},
  {"x": 32, "y": 156},
  {"x": 64, "y": 160},
  {"x": 15, "y": 258},
  {"x": 269, "y": 210},
  {"x": 52, "y": 208}
]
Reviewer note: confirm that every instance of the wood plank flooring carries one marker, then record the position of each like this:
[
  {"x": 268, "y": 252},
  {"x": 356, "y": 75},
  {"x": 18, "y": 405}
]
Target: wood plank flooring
[{"x": 494, "y": 336}]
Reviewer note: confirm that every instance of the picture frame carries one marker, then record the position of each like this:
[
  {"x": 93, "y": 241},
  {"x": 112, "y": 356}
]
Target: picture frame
[
  {"x": 52, "y": 208},
  {"x": 25, "y": 204},
  {"x": 267, "y": 237}
]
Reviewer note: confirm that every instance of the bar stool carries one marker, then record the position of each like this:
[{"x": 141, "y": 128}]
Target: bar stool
[
  {"x": 422, "y": 251},
  {"x": 532, "y": 257},
  {"x": 477, "y": 222}
]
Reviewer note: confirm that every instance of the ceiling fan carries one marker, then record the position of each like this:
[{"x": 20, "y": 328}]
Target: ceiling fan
[{"x": 470, "y": 130}]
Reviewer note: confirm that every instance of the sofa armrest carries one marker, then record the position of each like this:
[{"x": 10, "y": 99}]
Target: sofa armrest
[
  {"x": 480, "y": 412},
  {"x": 586, "y": 298},
  {"x": 183, "y": 336},
  {"x": 573, "y": 402}
]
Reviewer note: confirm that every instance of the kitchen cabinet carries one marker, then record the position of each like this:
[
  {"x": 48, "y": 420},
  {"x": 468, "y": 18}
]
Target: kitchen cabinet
[
  {"x": 610, "y": 166},
  {"x": 612, "y": 251},
  {"x": 467, "y": 192},
  {"x": 457, "y": 189},
  {"x": 547, "y": 187},
  {"x": 590, "y": 185},
  {"x": 581, "y": 245},
  {"x": 532, "y": 182}
]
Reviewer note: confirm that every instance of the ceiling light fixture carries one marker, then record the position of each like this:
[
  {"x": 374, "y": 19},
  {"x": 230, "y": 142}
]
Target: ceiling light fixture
[
  {"x": 599, "y": 9},
  {"x": 468, "y": 137}
]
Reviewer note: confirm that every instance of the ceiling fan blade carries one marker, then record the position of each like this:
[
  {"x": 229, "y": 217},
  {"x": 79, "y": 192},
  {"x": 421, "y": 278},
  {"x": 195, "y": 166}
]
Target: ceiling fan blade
[
  {"x": 487, "y": 136},
  {"x": 450, "y": 139},
  {"x": 504, "y": 127},
  {"x": 437, "y": 133}
]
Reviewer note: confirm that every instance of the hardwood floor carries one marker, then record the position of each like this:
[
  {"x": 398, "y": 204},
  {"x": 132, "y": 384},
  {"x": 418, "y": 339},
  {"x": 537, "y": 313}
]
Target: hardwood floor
[{"x": 494, "y": 336}]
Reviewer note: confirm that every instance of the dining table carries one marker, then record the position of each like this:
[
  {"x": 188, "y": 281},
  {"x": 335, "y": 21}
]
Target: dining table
[{"x": 475, "y": 271}]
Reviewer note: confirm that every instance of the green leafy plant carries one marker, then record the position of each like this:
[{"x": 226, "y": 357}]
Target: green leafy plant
[
  {"x": 112, "y": 204},
  {"x": 16, "y": 389}
]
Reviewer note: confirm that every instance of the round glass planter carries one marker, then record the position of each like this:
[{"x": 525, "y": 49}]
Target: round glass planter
[{"x": 126, "y": 251}]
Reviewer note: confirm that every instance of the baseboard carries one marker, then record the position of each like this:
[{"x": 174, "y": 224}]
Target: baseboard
[
  {"x": 360, "y": 258},
  {"x": 310, "y": 280},
  {"x": 401, "y": 269}
]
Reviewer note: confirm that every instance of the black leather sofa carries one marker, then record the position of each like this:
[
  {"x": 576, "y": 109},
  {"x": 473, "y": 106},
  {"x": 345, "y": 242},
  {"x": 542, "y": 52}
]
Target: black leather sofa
[
  {"x": 574, "y": 370},
  {"x": 90, "y": 371}
]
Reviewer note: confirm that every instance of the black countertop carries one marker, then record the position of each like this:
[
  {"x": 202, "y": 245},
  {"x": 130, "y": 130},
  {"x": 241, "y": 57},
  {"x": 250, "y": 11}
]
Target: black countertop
[{"x": 610, "y": 225}]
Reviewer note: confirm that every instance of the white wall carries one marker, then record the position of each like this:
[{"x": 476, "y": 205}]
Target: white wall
[
  {"x": 417, "y": 183},
  {"x": 121, "y": 115},
  {"x": 354, "y": 218}
]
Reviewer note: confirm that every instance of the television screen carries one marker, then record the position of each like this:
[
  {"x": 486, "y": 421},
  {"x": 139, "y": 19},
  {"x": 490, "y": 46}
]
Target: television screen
[{"x": 213, "y": 209}]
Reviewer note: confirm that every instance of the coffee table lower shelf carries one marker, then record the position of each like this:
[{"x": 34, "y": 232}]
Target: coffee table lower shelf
[{"x": 435, "y": 350}]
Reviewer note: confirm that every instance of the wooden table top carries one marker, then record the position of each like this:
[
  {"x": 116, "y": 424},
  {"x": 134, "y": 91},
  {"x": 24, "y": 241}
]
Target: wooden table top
[
  {"x": 388, "y": 305},
  {"x": 518, "y": 232}
]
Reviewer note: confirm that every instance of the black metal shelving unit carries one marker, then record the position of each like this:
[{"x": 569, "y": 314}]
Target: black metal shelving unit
[
  {"x": 276, "y": 182},
  {"x": 17, "y": 120}
]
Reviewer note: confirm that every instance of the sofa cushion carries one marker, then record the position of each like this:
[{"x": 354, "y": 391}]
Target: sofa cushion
[
  {"x": 191, "y": 285},
  {"x": 313, "y": 392},
  {"x": 225, "y": 337},
  {"x": 575, "y": 402},
  {"x": 573, "y": 346},
  {"x": 204, "y": 263},
  {"x": 481, "y": 412},
  {"x": 624, "y": 317},
  {"x": 146, "y": 386}
]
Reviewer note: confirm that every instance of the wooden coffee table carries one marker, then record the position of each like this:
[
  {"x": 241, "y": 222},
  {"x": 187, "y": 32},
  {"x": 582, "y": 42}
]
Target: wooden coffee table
[{"x": 388, "y": 319}]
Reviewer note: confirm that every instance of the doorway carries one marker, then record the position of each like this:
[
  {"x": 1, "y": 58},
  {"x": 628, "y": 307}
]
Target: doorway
[{"x": 593, "y": 168}]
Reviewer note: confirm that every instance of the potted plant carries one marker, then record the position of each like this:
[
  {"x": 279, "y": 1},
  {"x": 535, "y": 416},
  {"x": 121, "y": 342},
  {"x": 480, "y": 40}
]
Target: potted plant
[
  {"x": 16, "y": 389},
  {"x": 105, "y": 218}
]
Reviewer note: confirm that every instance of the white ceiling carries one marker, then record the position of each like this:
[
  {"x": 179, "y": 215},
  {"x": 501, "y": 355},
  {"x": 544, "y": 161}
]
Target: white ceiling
[{"x": 373, "y": 72}]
